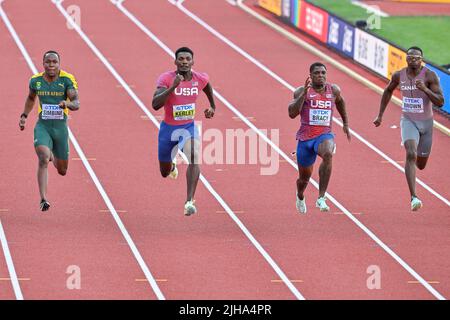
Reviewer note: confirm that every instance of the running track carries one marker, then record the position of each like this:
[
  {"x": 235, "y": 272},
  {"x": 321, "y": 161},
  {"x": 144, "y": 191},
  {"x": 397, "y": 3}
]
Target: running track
[{"x": 208, "y": 256}]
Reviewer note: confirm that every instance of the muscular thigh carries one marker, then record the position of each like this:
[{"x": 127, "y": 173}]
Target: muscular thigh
[{"x": 60, "y": 138}]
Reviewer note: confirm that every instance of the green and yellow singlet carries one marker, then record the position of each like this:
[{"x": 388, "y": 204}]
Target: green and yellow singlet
[
  {"x": 51, "y": 129},
  {"x": 51, "y": 94}
]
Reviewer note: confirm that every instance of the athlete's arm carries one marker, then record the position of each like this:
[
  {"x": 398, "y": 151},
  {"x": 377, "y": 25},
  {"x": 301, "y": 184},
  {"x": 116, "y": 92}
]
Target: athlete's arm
[
  {"x": 208, "y": 90},
  {"x": 433, "y": 91},
  {"x": 387, "y": 95},
  {"x": 162, "y": 93},
  {"x": 340, "y": 106},
  {"x": 29, "y": 103},
  {"x": 296, "y": 105},
  {"x": 74, "y": 103}
]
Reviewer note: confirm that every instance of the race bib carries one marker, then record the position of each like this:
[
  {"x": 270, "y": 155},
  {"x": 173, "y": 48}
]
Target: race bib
[
  {"x": 318, "y": 117},
  {"x": 413, "y": 105},
  {"x": 52, "y": 112},
  {"x": 184, "y": 112}
]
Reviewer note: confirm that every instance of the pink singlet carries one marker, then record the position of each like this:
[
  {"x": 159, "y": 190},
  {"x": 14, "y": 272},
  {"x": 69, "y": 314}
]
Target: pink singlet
[{"x": 180, "y": 106}]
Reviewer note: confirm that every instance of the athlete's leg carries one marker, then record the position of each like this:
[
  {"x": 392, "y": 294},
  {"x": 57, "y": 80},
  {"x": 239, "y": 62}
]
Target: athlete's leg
[
  {"x": 421, "y": 162},
  {"x": 304, "y": 174},
  {"x": 43, "y": 153},
  {"x": 43, "y": 144},
  {"x": 165, "y": 168},
  {"x": 305, "y": 161},
  {"x": 60, "y": 153},
  {"x": 410, "y": 139},
  {"x": 410, "y": 165},
  {"x": 167, "y": 148},
  {"x": 325, "y": 151},
  {"x": 61, "y": 165},
  {"x": 425, "y": 142},
  {"x": 191, "y": 149}
]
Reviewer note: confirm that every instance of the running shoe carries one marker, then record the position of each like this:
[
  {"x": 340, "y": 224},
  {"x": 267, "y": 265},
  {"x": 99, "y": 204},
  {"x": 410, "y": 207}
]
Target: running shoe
[
  {"x": 174, "y": 172},
  {"x": 416, "y": 204},
  {"x": 301, "y": 205},
  {"x": 189, "y": 208},
  {"x": 44, "y": 205},
  {"x": 322, "y": 205}
]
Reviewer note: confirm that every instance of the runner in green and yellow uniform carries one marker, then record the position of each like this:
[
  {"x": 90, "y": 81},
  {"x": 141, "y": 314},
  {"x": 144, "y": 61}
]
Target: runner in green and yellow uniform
[{"x": 58, "y": 92}]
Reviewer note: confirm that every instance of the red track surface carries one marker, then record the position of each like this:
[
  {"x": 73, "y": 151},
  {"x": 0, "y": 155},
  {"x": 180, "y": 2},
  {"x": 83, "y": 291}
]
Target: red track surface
[
  {"x": 411, "y": 8},
  {"x": 205, "y": 256}
]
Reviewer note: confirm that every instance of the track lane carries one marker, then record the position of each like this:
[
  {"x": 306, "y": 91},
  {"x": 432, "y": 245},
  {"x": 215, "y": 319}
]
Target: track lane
[
  {"x": 432, "y": 237},
  {"x": 167, "y": 15},
  {"x": 195, "y": 265},
  {"x": 46, "y": 246}
]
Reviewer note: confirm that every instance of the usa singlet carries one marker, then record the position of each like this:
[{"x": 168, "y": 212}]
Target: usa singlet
[{"x": 316, "y": 114}]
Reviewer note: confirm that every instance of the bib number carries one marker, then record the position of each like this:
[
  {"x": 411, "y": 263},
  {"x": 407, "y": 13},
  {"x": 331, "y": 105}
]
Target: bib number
[
  {"x": 52, "y": 112},
  {"x": 412, "y": 105},
  {"x": 319, "y": 117},
  {"x": 184, "y": 112}
]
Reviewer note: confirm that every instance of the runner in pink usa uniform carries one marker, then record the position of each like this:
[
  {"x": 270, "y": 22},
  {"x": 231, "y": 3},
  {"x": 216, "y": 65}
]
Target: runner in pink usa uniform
[
  {"x": 179, "y": 108},
  {"x": 314, "y": 102},
  {"x": 420, "y": 89},
  {"x": 177, "y": 91}
]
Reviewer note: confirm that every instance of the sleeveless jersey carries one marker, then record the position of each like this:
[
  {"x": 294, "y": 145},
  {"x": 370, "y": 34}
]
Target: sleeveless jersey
[
  {"x": 416, "y": 105},
  {"x": 180, "y": 106},
  {"x": 316, "y": 114}
]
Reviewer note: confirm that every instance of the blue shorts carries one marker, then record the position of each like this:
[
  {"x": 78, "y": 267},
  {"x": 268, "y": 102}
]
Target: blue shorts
[
  {"x": 171, "y": 136},
  {"x": 307, "y": 150}
]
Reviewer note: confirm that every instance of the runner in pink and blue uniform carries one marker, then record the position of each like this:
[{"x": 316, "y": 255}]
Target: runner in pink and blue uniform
[
  {"x": 314, "y": 102},
  {"x": 177, "y": 91}
]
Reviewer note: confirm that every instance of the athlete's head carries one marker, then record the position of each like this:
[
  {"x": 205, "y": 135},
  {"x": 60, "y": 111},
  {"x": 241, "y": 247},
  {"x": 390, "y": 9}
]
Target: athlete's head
[
  {"x": 414, "y": 56},
  {"x": 184, "y": 59},
  {"x": 51, "y": 63},
  {"x": 318, "y": 74}
]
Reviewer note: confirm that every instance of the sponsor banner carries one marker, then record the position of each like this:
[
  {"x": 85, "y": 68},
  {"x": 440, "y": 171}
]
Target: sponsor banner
[
  {"x": 286, "y": 9},
  {"x": 396, "y": 60},
  {"x": 444, "y": 80},
  {"x": 296, "y": 6},
  {"x": 341, "y": 36},
  {"x": 273, "y": 6},
  {"x": 371, "y": 52},
  {"x": 314, "y": 21}
]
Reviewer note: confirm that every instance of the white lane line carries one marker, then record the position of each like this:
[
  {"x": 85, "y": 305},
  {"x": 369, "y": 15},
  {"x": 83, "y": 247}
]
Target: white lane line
[
  {"x": 5, "y": 247},
  {"x": 179, "y": 4},
  {"x": 139, "y": 103},
  {"x": 288, "y": 159},
  {"x": 97, "y": 183},
  {"x": 10, "y": 263},
  {"x": 370, "y": 8},
  {"x": 328, "y": 59}
]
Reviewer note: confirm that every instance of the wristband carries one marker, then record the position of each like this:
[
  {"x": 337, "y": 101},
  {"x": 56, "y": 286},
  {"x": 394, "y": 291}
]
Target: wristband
[{"x": 24, "y": 115}]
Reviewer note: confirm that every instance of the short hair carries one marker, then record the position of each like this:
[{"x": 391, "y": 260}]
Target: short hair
[
  {"x": 51, "y": 52},
  {"x": 184, "y": 49},
  {"x": 316, "y": 64},
  {"x": 415, "y": 48}
]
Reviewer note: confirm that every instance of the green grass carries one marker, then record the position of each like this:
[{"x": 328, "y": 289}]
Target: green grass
[
  {"x": 343, "y": 8},
  {"x": 430, "y": 33}
]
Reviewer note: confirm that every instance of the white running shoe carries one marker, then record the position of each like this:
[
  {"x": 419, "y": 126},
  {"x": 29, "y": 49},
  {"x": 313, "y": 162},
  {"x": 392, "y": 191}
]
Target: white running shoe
[
  {"x": 189, "y": 208},
  {"x": 301, "y": 205},
  {"x": 416, "y": 204},
  {"x": 174, "y": 172},
  {"x": 322, "y": 205}
]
